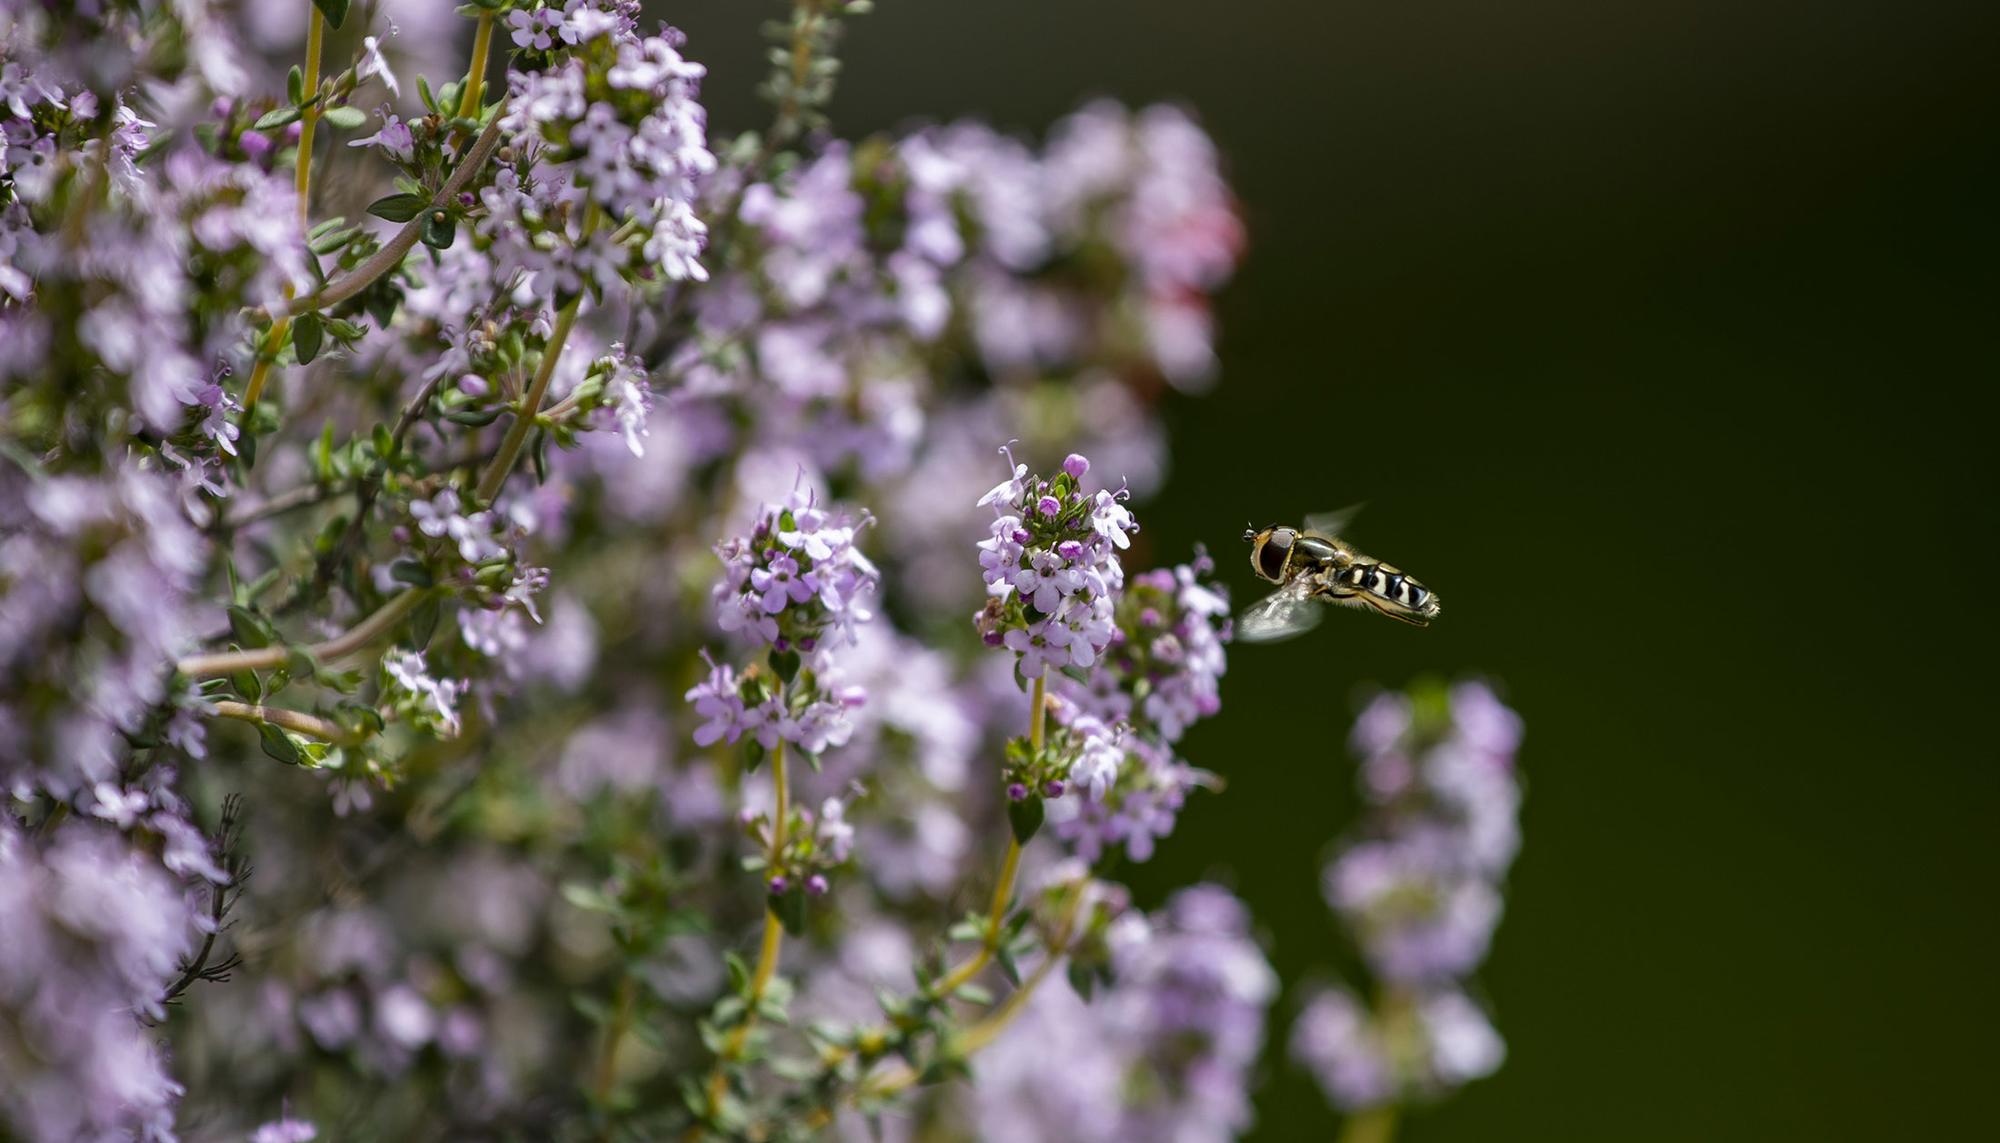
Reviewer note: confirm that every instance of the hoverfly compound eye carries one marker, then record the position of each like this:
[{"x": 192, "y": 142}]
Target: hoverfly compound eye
[{"x": 1272, "y": 553}]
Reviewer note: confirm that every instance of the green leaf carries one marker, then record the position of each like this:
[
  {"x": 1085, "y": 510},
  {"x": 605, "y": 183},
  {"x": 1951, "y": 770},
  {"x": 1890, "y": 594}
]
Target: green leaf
[
  {"x": 323, "y": 453},
  {"x": 753, "y": 755},
  {"x": 786, "y": 664},
  {"x": 398, "y": 207},
  {"x": 248, "y": 628},
  {"x": 1082, "y": 979},
  {"x": 1009, "y": 967},
  {"x": 973, "y": 994},
  {"x": 473, "y": 418},
  {"x": 295, "y": 85},
  {"x": 335, "y": 11},
  {"x": 424, "y": 92},
  {"x": 332, "y": 240},
  {"x": 411, "y": 572},
  {"x": 1078, "y": 673},
  {"x": 439, "y": 230},
  {"x": 424, "y": 621},
  {"x": 278, "y": 744},
  {"x": 248, "y": 685},
  {"x": 306, "y": 334},
  {"x": 791, "y": 910},
  {"x": 275, "y": 117},
  {"x": 1025, "y": 816},
  {"x": 345, "y": 118}
]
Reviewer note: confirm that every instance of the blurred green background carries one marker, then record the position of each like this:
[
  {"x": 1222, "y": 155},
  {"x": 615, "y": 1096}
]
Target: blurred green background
[{"x": 1658, "y": 338}]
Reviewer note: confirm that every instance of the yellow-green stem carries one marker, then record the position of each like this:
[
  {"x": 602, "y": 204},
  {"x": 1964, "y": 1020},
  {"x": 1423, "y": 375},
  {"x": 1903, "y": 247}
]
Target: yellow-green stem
[
  {"x": 531, "y": 401},
  {"x": 774, "y": 935},
  {"x": 977, "y": 1036},
  {"x": 309, "y": 119},
  {"x": 1003, "y": 891},
  {"x": 475, "y": 75},
  {"x": 260, "y": 373},
  {"x": 1374, "y": 1125},
  {"x": 614, "y": 1032}
]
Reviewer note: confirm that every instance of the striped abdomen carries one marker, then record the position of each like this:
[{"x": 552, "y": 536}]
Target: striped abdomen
[{"x": 1388, "y": 585}]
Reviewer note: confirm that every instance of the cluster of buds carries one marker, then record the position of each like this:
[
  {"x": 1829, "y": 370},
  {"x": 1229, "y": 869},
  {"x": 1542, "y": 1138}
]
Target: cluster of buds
[
  {"x": 1082, "y": 754},
  {"x": 796, "y": 864},
  {"x": 1051, "y": 568}
]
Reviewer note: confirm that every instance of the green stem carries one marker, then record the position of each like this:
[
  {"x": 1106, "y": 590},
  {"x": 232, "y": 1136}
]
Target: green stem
[
  {"x": 767, "y": 954},
  {"x": 1373, "y": 1125},
  {"x": 1003, "y": 890},
  {"x": 308, "y": 124},
  {"x": 475, "y": 75},
  {"x": 531, "y": 401}
]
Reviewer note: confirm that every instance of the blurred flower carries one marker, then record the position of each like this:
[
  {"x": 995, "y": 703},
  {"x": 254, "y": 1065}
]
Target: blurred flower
[{"x": 1420, "y": 891}]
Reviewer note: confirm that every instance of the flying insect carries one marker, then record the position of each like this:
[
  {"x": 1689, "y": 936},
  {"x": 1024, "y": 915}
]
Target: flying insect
[{"x": 1313, "y": 566}]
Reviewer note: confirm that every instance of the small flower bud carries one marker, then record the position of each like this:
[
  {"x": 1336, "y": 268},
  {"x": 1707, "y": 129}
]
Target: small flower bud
[
  {"x": 1053, "y": 788},
  {"x": 816, "y": 885},
  {"x": 1017, "y": 792},
  {"x": 777, "y": 885},
  {"x": 473, "y": 385},
  {"x": 1076, "y": 464},
  {"x": 1049, "y": 506}
]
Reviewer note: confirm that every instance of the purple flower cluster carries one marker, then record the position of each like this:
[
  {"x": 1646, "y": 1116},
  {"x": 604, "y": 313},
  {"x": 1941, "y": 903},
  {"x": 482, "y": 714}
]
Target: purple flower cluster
[
  {"x": 95, "y": 931},
  {"x": 1164, "y": 1053},
  {"x": 97, "y": 575},
  {"x": 732, "y": 707},
  {"x": 797, "y": 581},
  {"x": 612, "y": 125},
  {"x": 1420, "y": 891},
  {"x": 1162, "y": 674},
  {"x": 141, "y": 308},
  {"x": 1051, "y": 567}
]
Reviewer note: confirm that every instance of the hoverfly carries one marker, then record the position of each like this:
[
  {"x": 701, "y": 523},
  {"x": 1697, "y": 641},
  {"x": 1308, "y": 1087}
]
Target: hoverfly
[{"x": 1313, "y": 566}]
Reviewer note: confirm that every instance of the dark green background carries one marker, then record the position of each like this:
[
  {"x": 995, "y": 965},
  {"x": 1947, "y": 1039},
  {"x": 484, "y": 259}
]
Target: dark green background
[{"x": 1657, "y": 337}]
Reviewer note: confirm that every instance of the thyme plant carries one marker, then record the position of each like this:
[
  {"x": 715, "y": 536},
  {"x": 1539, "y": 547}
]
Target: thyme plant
[{"x": 548, "y": 540}]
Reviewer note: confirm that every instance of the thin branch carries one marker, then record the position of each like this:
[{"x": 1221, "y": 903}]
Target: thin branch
[
  {"x": 304, "y": 496},
  {"x": 392, "y": 252},
  {"x": 321, "y": 728},
  {"x": 531, "y": 402},
  {"x": 369, "y": 486},
  {"x": 340, "y": 646}
]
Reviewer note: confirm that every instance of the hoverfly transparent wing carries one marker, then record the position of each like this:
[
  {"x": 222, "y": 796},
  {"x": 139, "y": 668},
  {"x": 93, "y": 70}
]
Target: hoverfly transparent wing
[
  {"x": 1290, "y": 610},
  {"x": 1334, "y": 523}
]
